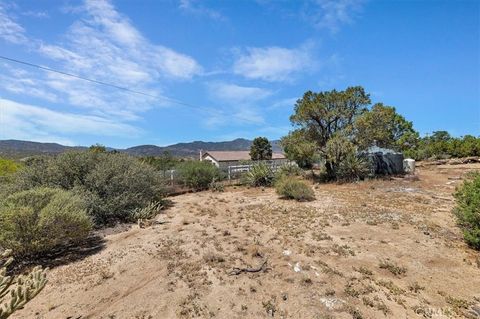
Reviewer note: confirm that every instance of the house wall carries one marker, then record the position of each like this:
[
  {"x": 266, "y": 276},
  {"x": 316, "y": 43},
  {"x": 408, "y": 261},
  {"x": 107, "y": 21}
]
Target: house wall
[{"x": 210, "y": 159}]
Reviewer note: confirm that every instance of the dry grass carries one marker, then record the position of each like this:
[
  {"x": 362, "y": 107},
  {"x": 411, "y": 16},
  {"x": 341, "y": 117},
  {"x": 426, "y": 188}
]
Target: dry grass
[{"x": 376, "y": 249}]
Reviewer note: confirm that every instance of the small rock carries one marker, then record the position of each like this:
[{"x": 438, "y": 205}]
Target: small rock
[
  {"x": 297, "y": 267},
  {"x": 287, "y": 252}
]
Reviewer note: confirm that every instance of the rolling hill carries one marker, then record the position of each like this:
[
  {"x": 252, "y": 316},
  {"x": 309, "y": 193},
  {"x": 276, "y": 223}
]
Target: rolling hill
[{"x": 19, "y": 149}]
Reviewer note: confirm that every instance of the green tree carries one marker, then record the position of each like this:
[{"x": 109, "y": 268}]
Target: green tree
[
  {"x": 162, "y": 163},
  {"x": 325, "y": 114},
  {"x": 297, "y": 148},
  {"x": 98, "y": 148},
  {"x": 385, "y": 127},
  {"x": 261, "y": 149}
]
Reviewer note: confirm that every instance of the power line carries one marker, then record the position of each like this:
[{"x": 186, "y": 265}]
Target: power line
[{"x": 105, "y": 83}]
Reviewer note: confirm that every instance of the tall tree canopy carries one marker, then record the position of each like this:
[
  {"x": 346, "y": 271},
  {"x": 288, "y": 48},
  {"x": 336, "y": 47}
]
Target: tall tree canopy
[
  {"x": 322, "y": 115},
  {"x": 261, "y": 149},
  {"x": 385, "y": 127},
  {"x": 297, "y": 148}
]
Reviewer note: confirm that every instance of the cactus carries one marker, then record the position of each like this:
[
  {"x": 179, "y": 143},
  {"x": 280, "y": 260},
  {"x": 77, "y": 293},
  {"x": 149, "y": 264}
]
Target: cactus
[{"x": 15, "y": 292}]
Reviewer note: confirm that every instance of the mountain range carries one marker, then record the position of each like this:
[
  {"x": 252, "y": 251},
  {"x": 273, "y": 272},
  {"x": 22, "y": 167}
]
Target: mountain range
[{"x": 19, "y": 149}]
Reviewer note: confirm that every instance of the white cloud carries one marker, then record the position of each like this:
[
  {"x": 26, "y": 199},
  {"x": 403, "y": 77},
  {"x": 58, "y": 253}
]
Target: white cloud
[
  {"x": 193, "y": 7},
  {"x": 232, "y": 93},
  {"x": 239, "y": 104},
  {"x": 274, "y": 63},
  {"x": 104, "y": 45},
  {"x": 332, "y": 14},
  {"x": 24, "y": 121},
  {"x": 36, "y": 14},
  {"x": 10, "y": 30}
]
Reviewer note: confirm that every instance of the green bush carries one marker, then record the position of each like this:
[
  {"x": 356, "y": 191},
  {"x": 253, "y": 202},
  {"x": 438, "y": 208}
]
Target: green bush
[
  {"x": 294, "y": 188},
  {"x": 216, "y": 186},
  {"x": 37, "y": 220},
  {"x": 288, "y": 170},
  {"x": 467, "y": 210},
  {"x": 8, "y": 167},
  {"x": 198, "y": 175},
  {"x": 113, "y": 185},
  {"x": 117, "y": 186},
  {"x": 353, "y": 168},
  {"x": 260, "y": 174}
]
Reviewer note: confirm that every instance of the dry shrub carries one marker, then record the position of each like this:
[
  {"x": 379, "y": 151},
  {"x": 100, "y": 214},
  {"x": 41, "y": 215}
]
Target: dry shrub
[{"x": 294, "y": 188}]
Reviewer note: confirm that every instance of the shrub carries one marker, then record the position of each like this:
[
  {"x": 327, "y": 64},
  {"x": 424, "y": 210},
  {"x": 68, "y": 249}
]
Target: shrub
[
  {"x": 37, "y": 220},
  {"x": 467, "y": 210},
  {"x": 8, "y": 167},
  {"x": 260, "y": 174},
  {"x": 112, "y": 184},
  {"x": 288, "y": 170},
  {"x": 117, "y": 186},
  {"x": 198, "y": 175},
  {"x": 293, "y": 188},
  {"x": 352, "y": 168},
  {"x": 216, "y": 187},
  {"x": 15, "y": 292}
]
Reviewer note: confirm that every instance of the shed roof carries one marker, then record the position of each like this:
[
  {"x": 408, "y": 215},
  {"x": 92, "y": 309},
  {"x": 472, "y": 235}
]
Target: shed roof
[
  {"x": 376, "y": 149},
  {"x": 223, "y": 156}
]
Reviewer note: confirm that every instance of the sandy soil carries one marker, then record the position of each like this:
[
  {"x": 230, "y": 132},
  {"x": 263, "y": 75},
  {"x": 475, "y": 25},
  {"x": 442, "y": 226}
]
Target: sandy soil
[{"x": 373, "y": 249}]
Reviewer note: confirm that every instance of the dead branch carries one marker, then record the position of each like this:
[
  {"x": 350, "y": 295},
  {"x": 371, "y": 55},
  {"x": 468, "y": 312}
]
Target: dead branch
[{"x": 237, "y": 271}]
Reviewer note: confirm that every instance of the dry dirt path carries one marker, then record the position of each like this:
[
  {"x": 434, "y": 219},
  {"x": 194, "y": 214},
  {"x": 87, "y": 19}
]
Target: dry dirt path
[{"x": 369, "y": 250}]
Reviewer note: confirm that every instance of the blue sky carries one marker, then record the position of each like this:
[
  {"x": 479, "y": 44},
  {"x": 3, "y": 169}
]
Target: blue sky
[{"x": 238, "y": 65}]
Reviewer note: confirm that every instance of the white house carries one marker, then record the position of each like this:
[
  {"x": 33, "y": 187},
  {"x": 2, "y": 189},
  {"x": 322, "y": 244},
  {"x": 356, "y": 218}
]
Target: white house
[{"x": 223, "y": 159}]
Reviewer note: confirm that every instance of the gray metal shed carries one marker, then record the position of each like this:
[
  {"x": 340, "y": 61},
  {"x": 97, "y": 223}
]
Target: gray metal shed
[{"x": 384, "y": 161}]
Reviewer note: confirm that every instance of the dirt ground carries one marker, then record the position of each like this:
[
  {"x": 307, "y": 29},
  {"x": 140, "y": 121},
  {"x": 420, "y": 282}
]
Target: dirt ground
[{"x": 375, "y": 249}]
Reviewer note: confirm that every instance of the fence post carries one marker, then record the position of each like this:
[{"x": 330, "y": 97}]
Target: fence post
[
  {"x": 229, "y": 174},
  {"x": 171, "y": 177}
]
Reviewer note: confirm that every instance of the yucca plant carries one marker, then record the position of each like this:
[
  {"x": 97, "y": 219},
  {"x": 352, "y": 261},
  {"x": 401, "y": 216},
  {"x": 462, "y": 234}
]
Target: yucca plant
[
  {"x": 16, "y": 291},
  {"x": 260, "y": 174}
]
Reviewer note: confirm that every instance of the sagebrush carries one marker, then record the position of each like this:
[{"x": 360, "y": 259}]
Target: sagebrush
[
  {"x": 113, "y": 185},
  {"x": 198, "y": 175},
  {"x": 294, "y": 188},
  {"x": 37, "y": 220}
]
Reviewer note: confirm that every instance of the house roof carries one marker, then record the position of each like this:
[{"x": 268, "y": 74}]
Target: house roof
[{"x": 222, "y": 156}]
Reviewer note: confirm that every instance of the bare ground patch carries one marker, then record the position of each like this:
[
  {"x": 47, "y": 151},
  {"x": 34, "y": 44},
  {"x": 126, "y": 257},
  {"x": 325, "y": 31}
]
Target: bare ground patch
[{"x": 385, "y": 248}]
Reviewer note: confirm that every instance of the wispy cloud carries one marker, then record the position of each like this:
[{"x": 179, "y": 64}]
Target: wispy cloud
[
  {"x": 104, "y": 45},
  {"x": 196, "y": 8},
  {"x": 10, "y": 30},
  {"x": 274, "y": 63},
  {"x": 228, "y": 92},
  {"x": 239, "y": 104},
  {"x": 24, "y": 121},
  {"x": 332, "y": 14},
  {"x": 36, "y": 14}
]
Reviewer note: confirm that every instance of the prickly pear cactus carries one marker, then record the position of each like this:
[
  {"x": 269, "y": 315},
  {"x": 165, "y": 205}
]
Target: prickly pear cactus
[{"x": 16, "y": 291}]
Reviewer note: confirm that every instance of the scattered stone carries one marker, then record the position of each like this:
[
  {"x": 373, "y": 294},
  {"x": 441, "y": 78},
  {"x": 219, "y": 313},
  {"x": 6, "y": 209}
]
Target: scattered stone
[{"x": 297, "y": 267}]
